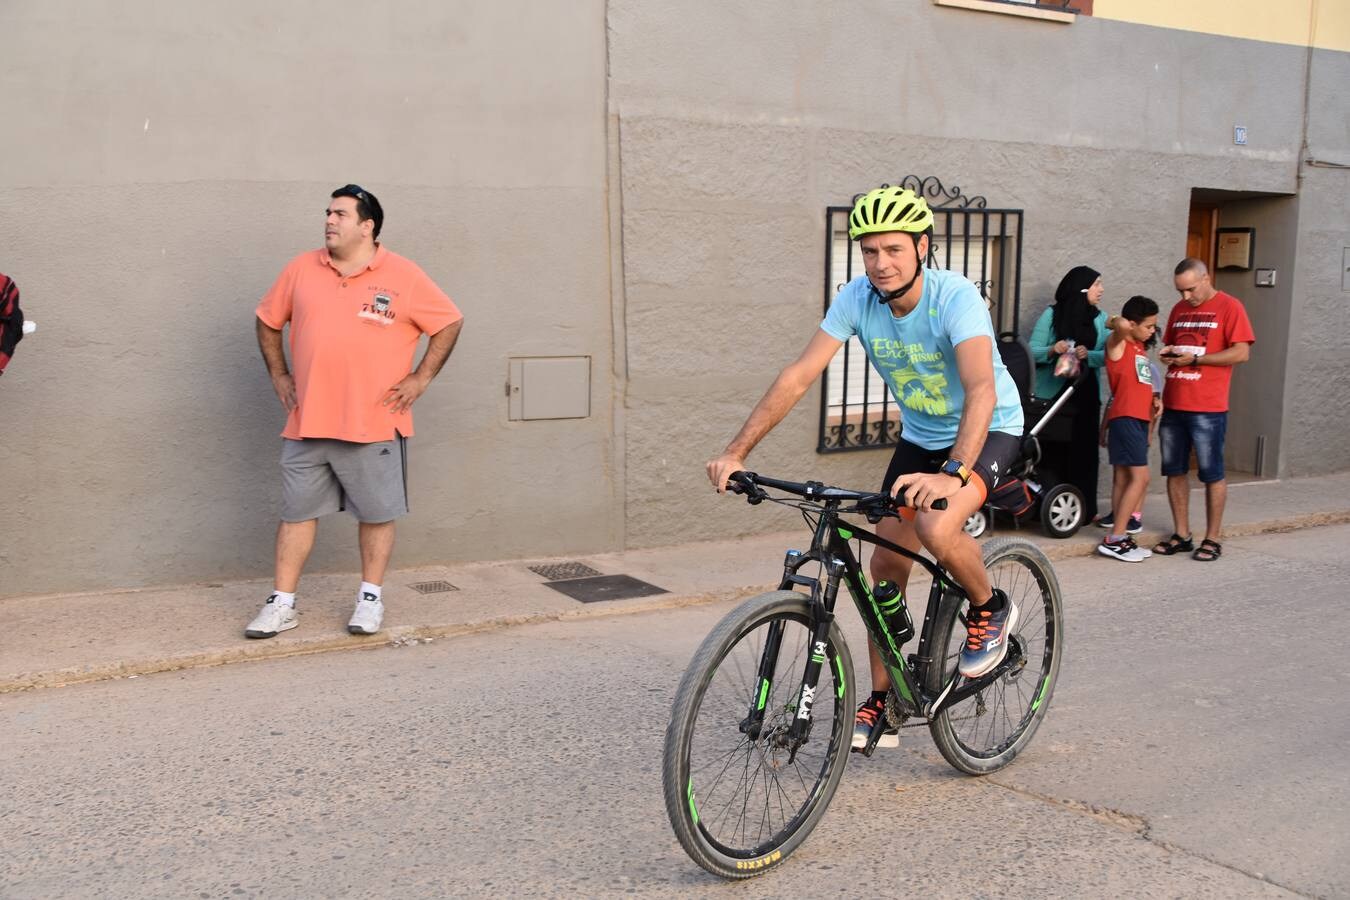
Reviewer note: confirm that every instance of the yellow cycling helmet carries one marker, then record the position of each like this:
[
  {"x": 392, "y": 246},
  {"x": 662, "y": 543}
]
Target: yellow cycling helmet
[{"x": 889, "y": 209}]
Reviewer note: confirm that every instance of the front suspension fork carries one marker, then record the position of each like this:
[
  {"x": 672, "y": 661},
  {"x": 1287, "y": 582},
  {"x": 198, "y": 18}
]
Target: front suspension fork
[
  {"x": 800, "y": 728},
  {"x": 818, "y": 658}
]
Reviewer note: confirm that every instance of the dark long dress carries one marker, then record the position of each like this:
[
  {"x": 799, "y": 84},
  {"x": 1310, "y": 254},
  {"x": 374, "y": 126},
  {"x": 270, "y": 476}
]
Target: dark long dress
[{"x": 1076, "y": 461}]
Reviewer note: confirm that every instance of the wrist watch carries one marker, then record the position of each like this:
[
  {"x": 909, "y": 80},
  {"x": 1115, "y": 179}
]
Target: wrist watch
[{"x": 956, "y": 469}]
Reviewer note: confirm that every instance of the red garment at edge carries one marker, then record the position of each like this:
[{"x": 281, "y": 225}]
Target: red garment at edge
[
  {"x": 1215, "y": 325},
  {"x": 1131, "y": 381},
  {"x": 11, "y": 320}
]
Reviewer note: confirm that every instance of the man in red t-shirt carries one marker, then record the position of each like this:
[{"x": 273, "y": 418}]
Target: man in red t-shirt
[
  {"x": 356, "y": 312},
  {"x": 1207, "y": 334}
]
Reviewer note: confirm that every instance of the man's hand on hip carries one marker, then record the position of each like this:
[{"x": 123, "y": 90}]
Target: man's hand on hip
[
  {"x": 400, "y": 397},
  {"x": 284, "y": 385}
]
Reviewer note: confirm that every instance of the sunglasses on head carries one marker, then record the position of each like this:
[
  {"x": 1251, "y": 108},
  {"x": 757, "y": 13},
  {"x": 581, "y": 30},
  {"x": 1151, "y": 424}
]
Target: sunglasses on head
[{"x": 354, "y": 190}]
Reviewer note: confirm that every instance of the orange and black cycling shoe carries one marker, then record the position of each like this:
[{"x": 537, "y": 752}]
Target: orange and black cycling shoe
[{"x": 870, "y": 721}]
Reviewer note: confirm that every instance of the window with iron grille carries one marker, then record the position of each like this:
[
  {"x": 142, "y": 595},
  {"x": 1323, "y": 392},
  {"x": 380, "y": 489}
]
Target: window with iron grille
[{"x": 858, "y": 411}]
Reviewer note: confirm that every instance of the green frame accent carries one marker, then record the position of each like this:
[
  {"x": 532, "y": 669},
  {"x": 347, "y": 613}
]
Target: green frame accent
[
  {"x": 690, "y": 792},
  {"x": 1045, "y": 685},
  {"x": 899, "y": 678},
  {"x": 763, "y": 693}
]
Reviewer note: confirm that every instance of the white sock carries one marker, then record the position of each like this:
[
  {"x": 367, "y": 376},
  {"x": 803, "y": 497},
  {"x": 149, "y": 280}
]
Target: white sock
[
  {"x": 284, "y": 599},
  {"x": 368, "y": 591}
]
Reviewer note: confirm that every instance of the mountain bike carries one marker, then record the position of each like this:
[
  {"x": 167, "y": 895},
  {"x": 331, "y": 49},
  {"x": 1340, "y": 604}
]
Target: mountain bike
[{"x": 761, "y": 727}]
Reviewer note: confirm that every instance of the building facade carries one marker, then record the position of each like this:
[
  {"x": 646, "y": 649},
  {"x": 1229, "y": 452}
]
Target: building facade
[{"x": 629, "y": 202}]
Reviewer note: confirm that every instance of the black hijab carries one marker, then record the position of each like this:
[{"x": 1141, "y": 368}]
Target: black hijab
[{"x": 1073, "y": 316}]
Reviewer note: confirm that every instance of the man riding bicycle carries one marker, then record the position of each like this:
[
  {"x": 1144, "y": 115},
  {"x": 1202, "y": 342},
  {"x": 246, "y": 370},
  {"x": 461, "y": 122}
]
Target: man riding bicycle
[{"x": 958, "y": 434}]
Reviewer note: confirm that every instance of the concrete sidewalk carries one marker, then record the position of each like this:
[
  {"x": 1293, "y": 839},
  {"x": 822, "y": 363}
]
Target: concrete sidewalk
[{"x": 66, "y": 639}]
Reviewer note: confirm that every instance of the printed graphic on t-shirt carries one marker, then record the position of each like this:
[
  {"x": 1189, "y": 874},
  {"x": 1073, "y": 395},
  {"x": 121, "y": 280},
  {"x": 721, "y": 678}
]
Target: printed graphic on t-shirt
[
  {"x": 925, "y": 393},
  {"x": 377, "y": 310},
  {"x": 1191, "y": 332}
]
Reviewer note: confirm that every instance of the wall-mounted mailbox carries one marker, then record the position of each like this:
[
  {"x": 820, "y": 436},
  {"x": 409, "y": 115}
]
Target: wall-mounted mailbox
[
  {"x": 1235, "y": 248},
  {"x": 549, "y": 387}
]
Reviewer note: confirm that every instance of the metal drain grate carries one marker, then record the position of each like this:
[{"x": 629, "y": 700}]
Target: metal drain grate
[
  {"x": 605, "y": 587},
  {"x": 433, "y": 587},
  {"x": 563, "y": 571}
]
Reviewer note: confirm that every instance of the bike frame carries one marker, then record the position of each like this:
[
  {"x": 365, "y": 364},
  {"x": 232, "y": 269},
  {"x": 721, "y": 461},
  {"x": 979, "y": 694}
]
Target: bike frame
[{"x": 830, "y": 547}]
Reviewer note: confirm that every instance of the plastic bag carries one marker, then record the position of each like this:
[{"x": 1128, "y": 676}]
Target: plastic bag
[{"x": 1067, "y": 364}]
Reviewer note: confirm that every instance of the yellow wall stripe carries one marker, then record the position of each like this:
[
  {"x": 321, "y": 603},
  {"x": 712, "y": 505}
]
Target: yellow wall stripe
[{"x": 1322, "y": 23}]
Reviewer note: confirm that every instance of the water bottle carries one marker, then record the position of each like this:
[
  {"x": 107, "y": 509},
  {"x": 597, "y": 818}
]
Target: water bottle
[{"x": 894, "y": 613}]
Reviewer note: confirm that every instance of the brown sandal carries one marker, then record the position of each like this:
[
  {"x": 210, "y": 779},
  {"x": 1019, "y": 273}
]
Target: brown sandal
[
  {"x": 1175, "y": 544},
  {"x": 1208, "y": 551}
]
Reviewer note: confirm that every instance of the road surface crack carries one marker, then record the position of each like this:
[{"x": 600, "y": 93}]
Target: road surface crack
[{"x": 1138, "y": 825}]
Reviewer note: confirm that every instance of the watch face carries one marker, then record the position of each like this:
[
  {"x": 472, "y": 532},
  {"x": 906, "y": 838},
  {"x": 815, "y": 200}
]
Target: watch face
[{"x": 952, "y": 467}]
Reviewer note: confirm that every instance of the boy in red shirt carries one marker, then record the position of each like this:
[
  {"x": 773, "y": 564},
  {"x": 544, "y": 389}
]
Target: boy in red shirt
[
  {"x": 1207, "y": 334},
  {"x": 1128, "y": 417}
]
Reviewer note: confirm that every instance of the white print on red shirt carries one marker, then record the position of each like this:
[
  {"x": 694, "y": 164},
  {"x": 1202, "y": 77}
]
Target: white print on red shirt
[{"x": 1190, "y": 334}]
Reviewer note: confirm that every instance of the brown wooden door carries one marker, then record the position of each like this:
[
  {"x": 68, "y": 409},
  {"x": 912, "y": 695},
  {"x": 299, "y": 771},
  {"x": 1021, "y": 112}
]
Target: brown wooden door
[{"x": 1200, "y": 232}]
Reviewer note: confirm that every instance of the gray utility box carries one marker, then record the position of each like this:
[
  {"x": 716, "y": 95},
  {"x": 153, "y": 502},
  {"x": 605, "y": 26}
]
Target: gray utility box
[{"x": 549, "y": 387}]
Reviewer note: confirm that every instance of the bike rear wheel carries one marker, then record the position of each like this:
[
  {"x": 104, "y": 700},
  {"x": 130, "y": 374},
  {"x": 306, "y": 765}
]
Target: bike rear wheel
[
  {"x": 984, "y": 732},
  {"x": 740, "y": 800}
]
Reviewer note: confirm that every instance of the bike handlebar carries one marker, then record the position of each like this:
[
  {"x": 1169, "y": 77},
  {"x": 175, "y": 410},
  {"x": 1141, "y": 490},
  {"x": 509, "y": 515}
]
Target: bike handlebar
[{"x": 751, "y": 485}]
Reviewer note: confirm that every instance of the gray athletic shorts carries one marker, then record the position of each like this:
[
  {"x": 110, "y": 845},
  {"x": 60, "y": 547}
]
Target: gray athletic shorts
[{"x": 321, "y": 476}]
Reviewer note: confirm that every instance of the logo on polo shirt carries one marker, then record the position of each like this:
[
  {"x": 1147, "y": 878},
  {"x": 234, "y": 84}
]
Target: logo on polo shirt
[{"x": 377, "y": 310}]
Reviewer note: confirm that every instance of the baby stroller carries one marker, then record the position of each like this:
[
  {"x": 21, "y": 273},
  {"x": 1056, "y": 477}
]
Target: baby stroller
[{"x": 1028, "y": 491}]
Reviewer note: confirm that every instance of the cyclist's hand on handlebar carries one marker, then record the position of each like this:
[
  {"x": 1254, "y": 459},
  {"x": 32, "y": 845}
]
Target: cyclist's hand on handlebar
[
  {"x": 922, "y": 490},
  {"x": 721, "y": 467}
]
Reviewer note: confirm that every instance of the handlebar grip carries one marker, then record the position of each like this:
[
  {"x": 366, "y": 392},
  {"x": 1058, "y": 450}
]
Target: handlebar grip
[{"x": 901, "y": 504}]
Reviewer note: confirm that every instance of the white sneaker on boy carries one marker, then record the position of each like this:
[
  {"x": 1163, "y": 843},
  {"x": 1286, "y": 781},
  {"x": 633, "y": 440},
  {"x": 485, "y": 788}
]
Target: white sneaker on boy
[{"x": 1125, "y": 551}]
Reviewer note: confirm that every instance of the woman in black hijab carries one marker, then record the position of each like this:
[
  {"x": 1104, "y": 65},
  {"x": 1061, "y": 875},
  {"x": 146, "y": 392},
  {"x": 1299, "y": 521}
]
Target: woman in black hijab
[{"x": 1076, "y": 317}]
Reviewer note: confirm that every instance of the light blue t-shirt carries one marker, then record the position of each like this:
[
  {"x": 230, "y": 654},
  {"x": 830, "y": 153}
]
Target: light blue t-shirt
[{"x": 916, "y": 354}]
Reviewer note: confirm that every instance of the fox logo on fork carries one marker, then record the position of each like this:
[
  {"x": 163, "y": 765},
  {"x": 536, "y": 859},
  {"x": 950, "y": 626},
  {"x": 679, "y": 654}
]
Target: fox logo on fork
[{"x": 808, "y": 696}]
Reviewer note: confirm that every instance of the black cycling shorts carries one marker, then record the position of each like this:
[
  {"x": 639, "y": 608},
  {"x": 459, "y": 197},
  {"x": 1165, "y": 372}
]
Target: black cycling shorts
[{"x": 998, "y": 456}]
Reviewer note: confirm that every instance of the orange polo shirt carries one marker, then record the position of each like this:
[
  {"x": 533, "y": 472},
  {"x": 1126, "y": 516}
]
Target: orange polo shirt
[{"x": 352, "y": 338}]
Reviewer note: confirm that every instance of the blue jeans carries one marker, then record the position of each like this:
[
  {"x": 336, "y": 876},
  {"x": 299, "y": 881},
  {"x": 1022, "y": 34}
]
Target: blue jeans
[{"x": 1180, "y": 431}]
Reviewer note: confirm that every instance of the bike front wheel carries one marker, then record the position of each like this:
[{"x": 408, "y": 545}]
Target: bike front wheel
[
  {"x": 984, "y": 732},
  {"x": 741, "y": 795}
]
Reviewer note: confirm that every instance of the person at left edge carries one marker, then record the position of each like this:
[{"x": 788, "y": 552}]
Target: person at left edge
[{"x": 356, "y": 311}]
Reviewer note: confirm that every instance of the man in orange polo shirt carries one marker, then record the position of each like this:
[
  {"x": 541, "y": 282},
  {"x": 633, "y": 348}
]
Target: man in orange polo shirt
[{"x": 356, "y": 312}]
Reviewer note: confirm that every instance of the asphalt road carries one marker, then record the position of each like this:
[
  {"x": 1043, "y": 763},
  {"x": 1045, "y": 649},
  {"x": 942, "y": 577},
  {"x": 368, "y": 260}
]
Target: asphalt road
[{"x": 1196, "y": 746}]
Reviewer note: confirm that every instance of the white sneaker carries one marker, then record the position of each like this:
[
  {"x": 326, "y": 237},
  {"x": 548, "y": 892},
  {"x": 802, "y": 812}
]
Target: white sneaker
[
  {"x": 1124, "y": 551},
  {"x": 367, "y": 617},
  {"x": 274, "y": 618}
]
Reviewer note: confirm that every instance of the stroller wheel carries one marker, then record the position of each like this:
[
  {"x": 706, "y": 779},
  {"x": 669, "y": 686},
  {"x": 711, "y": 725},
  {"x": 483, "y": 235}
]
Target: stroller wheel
[
  {"x": 977, "y": 524},
  {"x": 1062, "y": 509}
]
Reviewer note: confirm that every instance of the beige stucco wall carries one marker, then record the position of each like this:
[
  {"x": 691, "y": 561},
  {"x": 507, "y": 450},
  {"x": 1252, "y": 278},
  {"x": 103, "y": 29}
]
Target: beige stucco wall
[
  {"x": 740, "y": 124},
  {"x": 164, "y": 160},
  {"x": 640, "y": 183}
]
